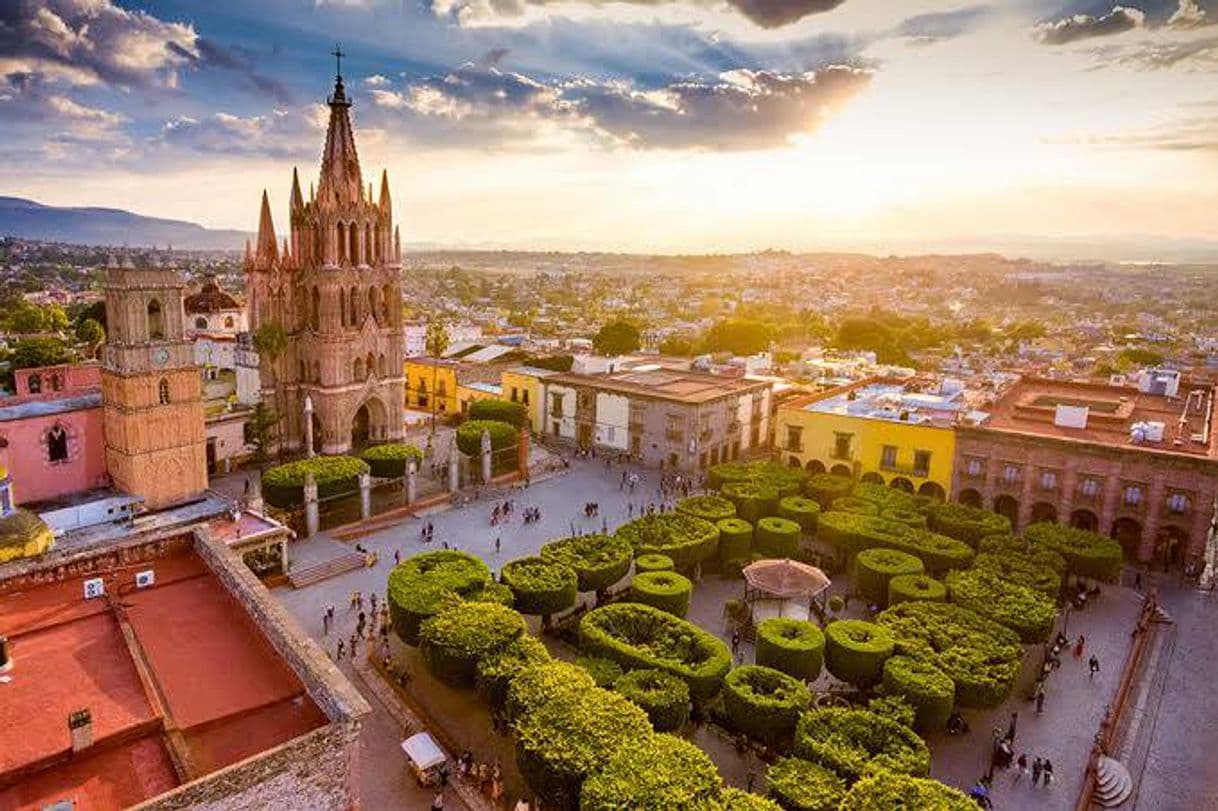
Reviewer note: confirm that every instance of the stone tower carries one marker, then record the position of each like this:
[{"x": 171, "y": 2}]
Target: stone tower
[
  {"x": 332, "y": 295},
  {"x": 151, "y": 393}
]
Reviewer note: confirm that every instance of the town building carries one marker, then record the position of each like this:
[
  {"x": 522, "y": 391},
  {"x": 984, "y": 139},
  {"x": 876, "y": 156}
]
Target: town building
[
  {"x": 525, "y": 385},
  {"x": 1137, "y": 462},
  {"x": 212, "y": 310}
]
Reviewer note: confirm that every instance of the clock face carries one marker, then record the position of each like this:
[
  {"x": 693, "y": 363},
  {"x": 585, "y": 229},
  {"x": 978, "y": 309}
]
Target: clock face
[{"x": 161, "y": 356}]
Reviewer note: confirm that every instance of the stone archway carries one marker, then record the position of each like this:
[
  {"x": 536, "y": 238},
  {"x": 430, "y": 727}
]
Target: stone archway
[
  {"x": 1128, "y": 533},
  {"x": 1008, "y": 506},
  {"x": 933, "y": 490},
  {"x": 841, "y": 470},
  {"x": 1043, "y": 512},
  {"x": 901, "y": 483},
  {"x": 815, "y": 466},
  {"x": 871, "y": 477},
  {"x": 1084, "y": 519},
  {"x": 368, "y": 424},
  {"x": 970, "y": 498},
  {"x": 1171, "y": 546},
  {"x": 793, "y": 461}
]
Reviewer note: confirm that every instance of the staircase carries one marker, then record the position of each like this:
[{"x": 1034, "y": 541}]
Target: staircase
[
  {"x": 1113, "y": 785},
  {"x": 299, "y": 578}
]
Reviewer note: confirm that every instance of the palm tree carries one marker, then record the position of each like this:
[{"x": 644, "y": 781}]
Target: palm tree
[{"x": 436, "y": 341}]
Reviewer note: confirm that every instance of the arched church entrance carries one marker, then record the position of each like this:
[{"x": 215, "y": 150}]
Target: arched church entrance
[{"x": 368, "y": 425}]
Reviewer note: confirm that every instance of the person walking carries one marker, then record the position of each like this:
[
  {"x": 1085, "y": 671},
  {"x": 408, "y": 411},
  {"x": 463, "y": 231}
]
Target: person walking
[
  {"x": 1040, "y": 700},
  {"x": 339, "y": 656},
  {"x": 735, "y": 641},
  {"x": 1012, "y": 726},
  {"x": 1093, "y": 665},
  {"x": 498, "y": 544},
  {"x": 1037, "y": 768},
  {"x": 438, "y": 803},
  {"x": 1078, "y": 646},
  {"x": 397, "y": 557},
  {"x": 1022, "y": 763},
  {"x": 1048, "y": 772},
  {"x": 325, "y": 623}
]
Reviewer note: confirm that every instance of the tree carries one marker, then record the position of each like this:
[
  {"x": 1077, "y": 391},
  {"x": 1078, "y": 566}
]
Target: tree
[
  {"x": 56, "y": 318},
  {"x": 26, "y": 318},
  {"x": 616, "y": 338},
  {"x": 91, "y": 334},
  {"x": 739, "y": 336},
  {"x": 31, "y": 352},
  {"x": 436, "y": 341},
  {"x": 678, "y": 345},
  {"x": 263, "y": 426},
  {"x": 271, "y": 341}
]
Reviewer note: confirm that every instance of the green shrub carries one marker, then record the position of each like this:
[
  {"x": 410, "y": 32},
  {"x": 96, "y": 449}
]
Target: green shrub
[
  {"x": 1025, "y": 611},
  {"x": 752, "y": 501},
  {"x": 939, "y": 552},
  {"x": 540, "y": 586},
  {"x": 905, "y": 515},
  {"x": 1021, "y": 569},
  {"x": 858, "y": 743},
  {"x": 1008, "y": 545},
  {"x": 599, "y": 561},
  {"x": 858, "y": 506},
  {"x": 852, "y": 533},
  {"x": 708, "y": 508},
  {"x": 653, "y": 563},
  {"x": 886, "y": 498},
  {"x": 667, "y": 591},
  {"x": 603, "y": 671},
  {"x": 981, "y": 657},
  {"x": 826, "y": 488},
  {"x": 785, "y": 480},
  {"x": 908, "y": 587},
  {"x": 663, "y": 696},
  {"x": 763, "y": 703},
  {"x": 734, "y": 799},
  {"x": 795, "y": 647},
  {"x": 777, "y": 537},
  {"x": 423, "y": 584},
  {"x": 1087, "y": 554},
  {"x": 503, "y": 437},
  {"x": 572, "y": 736},
  {"x": 283, "y": 485},
  {"x": 802, "y": 511},
  {"x": 455, "y": 640},
  {"x": 735, "y": 539},
  {"x": 497, "y": 670},
  {"x": 855, "y": 651},
  {"x": 660, "y": 772},
  {"x": 801, "y": 785},
  {"x": 894, "y": 707},
  {"x": 685, "y": 539},
  {"x": 639, "y": 636},
  {"x": 965, "y": 523},
  {"x": 535, "y": 685},
  {"x": 496, "y": 409},
  {"x": 886, "y": 791},
  {"x": 928, "y": 689},
  {"x": 389, "y": 461},
  {"x": 874, "y": 567}
]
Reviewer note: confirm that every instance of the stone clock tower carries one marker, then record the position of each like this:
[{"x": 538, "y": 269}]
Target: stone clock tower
[{"x": 151, "y": 393}]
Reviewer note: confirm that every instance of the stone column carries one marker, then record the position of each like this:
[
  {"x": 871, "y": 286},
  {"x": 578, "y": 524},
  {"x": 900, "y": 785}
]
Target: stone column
[
  {"x": 365, "y": 496},
  {"x": 1154, "y": 504},
  {"x": 454, "y": 475},
  {"x": 1027, "y": 493},
  {"x": 312, "y": 518},
  {"x": 283, "y": 555},
  {"x": 486, "y": 457},
  {"x": 308, "y": 426},
  {"x": 522, "y": 453},
  {"x": 412, "y": 482}
]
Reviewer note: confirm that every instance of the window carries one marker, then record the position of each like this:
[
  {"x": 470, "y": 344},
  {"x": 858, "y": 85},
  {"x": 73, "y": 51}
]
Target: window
[
  {"x": 156, "y": 321},
  {"x": 841, "y": 445},
  {"x": 673, "y": 428},
  {"x": 342, "y": 305},
  {"x": 975, "y": 468},
  {"x": 555, "y": 428},
  {"x": 229, "y": 322},
  {"x": 888, "y": 456},
  {"x": 57, "y": 444},
  {"x": 556, "y": 406},
  {"x": 1177, "y": 503},
  {"x": 1090, "y": 488},
  {"x": 34, "y": 384},
  {"x": 514, "y": 394},
  {"x": 795, "y": 438},
  {"x": 1132, "y": 496},
  {"x": 921, "y": 462},
  {"x": 316, "y": 371},
  {"x": 1011, "y": 474},
  {"x": 357, "y": 370},
  {"x": 200, "y": 323},
  {"x": 442, "y": 395},
  {"x": 1048, "y": 480},
  {"x": 162, "y": 391},
  {"x": 315, "y": 309}
]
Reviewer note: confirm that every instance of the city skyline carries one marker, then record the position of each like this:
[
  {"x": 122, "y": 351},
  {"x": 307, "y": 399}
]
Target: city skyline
[{"x": 677, "y": 126}]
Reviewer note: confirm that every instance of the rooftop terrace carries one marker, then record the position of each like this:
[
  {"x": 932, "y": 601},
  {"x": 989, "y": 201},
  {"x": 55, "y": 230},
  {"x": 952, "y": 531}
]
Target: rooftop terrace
[
  {"x": 685, "y": 387},
  {"x": 892, "y": 402}
]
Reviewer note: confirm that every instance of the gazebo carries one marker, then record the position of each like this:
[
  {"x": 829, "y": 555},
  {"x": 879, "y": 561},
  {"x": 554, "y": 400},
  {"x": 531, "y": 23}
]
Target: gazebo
[{"x": 783, "y": 588}]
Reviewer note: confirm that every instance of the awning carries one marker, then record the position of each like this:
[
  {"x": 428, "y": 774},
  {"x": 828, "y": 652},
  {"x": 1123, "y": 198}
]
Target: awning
[
  {"x": 423, "y": 751},
  {"x": 786, "y": 579}
]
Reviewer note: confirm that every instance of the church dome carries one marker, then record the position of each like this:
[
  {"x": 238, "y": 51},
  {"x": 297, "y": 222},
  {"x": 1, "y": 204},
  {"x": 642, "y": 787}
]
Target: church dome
[
  {"x": 210, "y": 299},
  {"x": 23, "y": 534}
]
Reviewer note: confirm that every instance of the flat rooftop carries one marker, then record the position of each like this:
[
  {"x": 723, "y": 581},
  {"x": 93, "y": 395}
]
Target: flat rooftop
[
  {"x": 46, "y": 408},
  {"x": 665, "y": 384},
  {"x": 891, "y": 402},
  {"x": 178, "y": 680},
  {"x": 1030, "y": 407}
]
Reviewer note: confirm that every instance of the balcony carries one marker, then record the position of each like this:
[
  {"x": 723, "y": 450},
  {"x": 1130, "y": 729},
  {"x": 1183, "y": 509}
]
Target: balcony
[
  {"x": 842, "y": 455},
  {"x": 794, "y": 447},
  {"x": 905, "y": 470}
]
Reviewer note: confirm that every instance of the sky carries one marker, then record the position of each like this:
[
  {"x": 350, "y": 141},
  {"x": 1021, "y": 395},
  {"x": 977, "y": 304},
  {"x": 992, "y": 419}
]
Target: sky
[{"x": 644, "y": 125}]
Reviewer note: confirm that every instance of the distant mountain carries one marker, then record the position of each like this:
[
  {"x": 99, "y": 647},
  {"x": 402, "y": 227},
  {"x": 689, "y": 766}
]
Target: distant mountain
[{"x": 108, "y": 226}]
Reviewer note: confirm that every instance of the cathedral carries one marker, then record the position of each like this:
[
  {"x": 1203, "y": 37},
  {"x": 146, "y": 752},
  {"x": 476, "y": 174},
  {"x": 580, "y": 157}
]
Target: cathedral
[{"x": 325, "y": 307}]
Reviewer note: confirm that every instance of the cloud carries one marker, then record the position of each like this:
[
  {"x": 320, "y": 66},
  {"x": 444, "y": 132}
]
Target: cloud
[
  {"x": 1189, "y": 14},
  {"x": 1086, "y": 26},
  {"x": 927, "y": 29},
  {"x": 210, "y": 54},
  {"x": 27, "y": 98},
  {"x": 1192, "y": 55},
  {"x": 281, "y": 135},
  {"x": 764, "y": 13},
  {"x": 1191, "y": 134}
]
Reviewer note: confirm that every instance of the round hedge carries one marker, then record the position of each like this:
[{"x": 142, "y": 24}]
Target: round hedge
[
  {"x": 894, "y": 707},
  {"x": 1087, "y": 554},
  {"x": 786, "y": 480},
  {"x": 639, "y": 636},
  {"x": 389, "y": 461},
  {"x": 826, "y": 488},
  {"x": 939, "y": 552},
  {"x": 283, "y": 485},
  {"x": 857, "y": 743},
  {"x": 469, "y": 436},
  {"x": 777, "y": 537},
  {"x": 981, "y": 657},
  {"x": 852, "y": 533},
  {"x": 874, "y": 567},
  {"x": 423, "y": 584},
  {"x": 906, "y": 515},
  {"x": 455, "y": 640},
  {"x": 497, "y": 670},
  {"x": 536, "y": 684},
  {"x": 801, "y": 785},
  {"x": 603, "y": 671},
  {"x": 599, "y": 560},
  {"x": 1024, "y": 610},
  {"x": 653, "y": 563},
  {"x": 928, "y": 689},
  {"x": 660, "y": 772},
  {"x": 905, "y": 588},
  {"x": 856, "y": 505},
  {"x": 965, "y": 523},
  {"x": 795, "y": 647},
  {"x": 753, "y": 501},
  {"x": 708, "y": 508},
  {"x": 855, "y": 651},
  {"x": 541, "y": 586},
  {"x": 1009, "y": 545},
  {"x": 886, "y": 498},
  {"x": 1021, "y": 569},
  {"x": 667, "y": 591},
  {"x": 572, "y": 736},
  {"x": 802, "y": 511},
  {"x": 497, "y": 409},
  {"x": 886, "y": 791},
  {"x": 734, "y": 799},
  {"x": 685, "y": 539},
  {"x": 663, "y": 696},
  {"x": 735, "y": 539},
  {"x": 764, "y": 703}
]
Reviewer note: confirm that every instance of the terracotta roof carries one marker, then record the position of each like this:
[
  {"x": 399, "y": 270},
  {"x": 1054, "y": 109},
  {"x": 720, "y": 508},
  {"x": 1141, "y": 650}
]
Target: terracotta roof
[{"x": 210, "y": 299}]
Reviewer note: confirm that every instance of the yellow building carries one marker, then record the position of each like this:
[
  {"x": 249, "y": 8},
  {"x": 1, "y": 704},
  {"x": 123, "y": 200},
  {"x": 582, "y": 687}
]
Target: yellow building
[
  {"x": 876, "y": 431},
  {"x": 469, "y": 392},
  {"x": 431, "y": 385},
  {"x": 525, "y": 385}
]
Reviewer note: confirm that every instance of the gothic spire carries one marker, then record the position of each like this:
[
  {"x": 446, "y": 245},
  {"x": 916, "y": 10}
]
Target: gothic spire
[
  {"x": 267, "y": 249},
  {"x": 385, "y": 204},
  {"x": 297, "y": 200},
  {"x": 340, "y": 175}
]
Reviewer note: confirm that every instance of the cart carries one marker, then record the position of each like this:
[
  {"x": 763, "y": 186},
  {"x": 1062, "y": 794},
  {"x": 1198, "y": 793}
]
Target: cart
[{"x": 425, "y": 757}]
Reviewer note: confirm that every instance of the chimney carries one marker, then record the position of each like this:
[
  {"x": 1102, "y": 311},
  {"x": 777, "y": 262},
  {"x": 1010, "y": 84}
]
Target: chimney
[{"x": 80, "y": 726}]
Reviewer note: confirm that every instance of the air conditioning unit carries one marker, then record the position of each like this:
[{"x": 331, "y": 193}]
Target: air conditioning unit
[
  {"x": 94, "y": 587},
  {"x": 144, "y": 579}
]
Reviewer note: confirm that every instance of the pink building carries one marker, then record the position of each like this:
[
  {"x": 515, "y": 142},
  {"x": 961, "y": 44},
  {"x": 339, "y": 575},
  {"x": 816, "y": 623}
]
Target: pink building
[{"x": 52, "y": 434}]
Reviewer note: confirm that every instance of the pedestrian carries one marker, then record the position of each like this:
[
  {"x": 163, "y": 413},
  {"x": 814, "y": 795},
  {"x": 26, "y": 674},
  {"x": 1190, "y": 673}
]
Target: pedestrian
[
  {"x": 1040, "y": 701},
  {"x": 1011, "y": 727},
  {"x": 498, "y": 544},
  {"x": 1037, "y": 768},
  {"x": 1078, "y": 647},
  {"x": 325, "y": 623},
  {"x": 748, "y": 785},
  {"x": 438, "y": 803},
  {"x": 1137, "y": 581},
  {"x": 397, "y": 557},
  {"x": 339, "y": 656},
  {"x": 1093, "y": 665},
  {"x": 360, "y": 621},
  {"x": 354, "y": 645},
  {"x": 1022, "y": 763},
  {"x": 1048, "y": 772},
  {"x": 735, "y": 641}
]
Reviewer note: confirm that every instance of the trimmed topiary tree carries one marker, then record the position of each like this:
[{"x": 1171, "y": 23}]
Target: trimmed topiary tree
[
  {"x": 859, "y": 743},
  {"x": 858, "y": 506},
  {"x": 663, "y": 696},
  {"x": 886, "y": 498},
  {"x": 906, "y": 515},
  {"x": 965, "y": 523},
  {"x": 939, "y": 552},
  {"x": 424, "y": 584},
  {"x": 1021, "y": 569},
  {"x": 658, "y": 771},
  {"x": 603, "y": 671},
  {"x": 910, "y": 587},
  {"x": 708, "y": 508},
  {"x": 801, "y": 785},
  {"x": 541, "y": 587},
  {"x": 752, "y": 500},
  {"x": 777, "y": 537},
  {"x": 764, "y": 703},
  {"x": 503, "y": 437},
  {"x": 735, "y": 539},
  {"x": 536, "y": 684},
  {"x": 1024, "y": 610},
  {"x": 795, "y": 647},
  {"x": 685, "y": 539},
  {"x": 497, "y": 409},
  {"x": 283, "y": 485},
  {"x": 874, "y": 567},
  {"x": 894, "y": 707},
  {"x": 852, "y": 533},
  {"x": 389, "y": 461},
  {"x": 497, "y": 670},
  {"x": 928, "y": 689},
  {"x": 653, "y": 563},
  {"x": 801, "y": 510},
  {"x": 1009, "y": 545},
  {"x": 599, "y": 561},
  {"x": 826, "y": 488},
  {"x": 785, "y": 480},
  {"x": 734, "y": 799},
  {"x": 455, "y": 640},
  {"x": 1087, "y": 554},
  {"x": 667, "y": 591},
  {"x": 855, "y": 651},
  {"x": 883, "y": 791}
]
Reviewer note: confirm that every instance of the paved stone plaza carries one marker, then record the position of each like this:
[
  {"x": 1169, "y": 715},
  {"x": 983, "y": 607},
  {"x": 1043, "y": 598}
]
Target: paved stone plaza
[{"x": 1178, "y": 776}]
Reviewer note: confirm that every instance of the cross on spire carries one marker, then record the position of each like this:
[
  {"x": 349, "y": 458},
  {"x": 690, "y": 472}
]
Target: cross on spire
[{"x": 338, "y": 55}]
